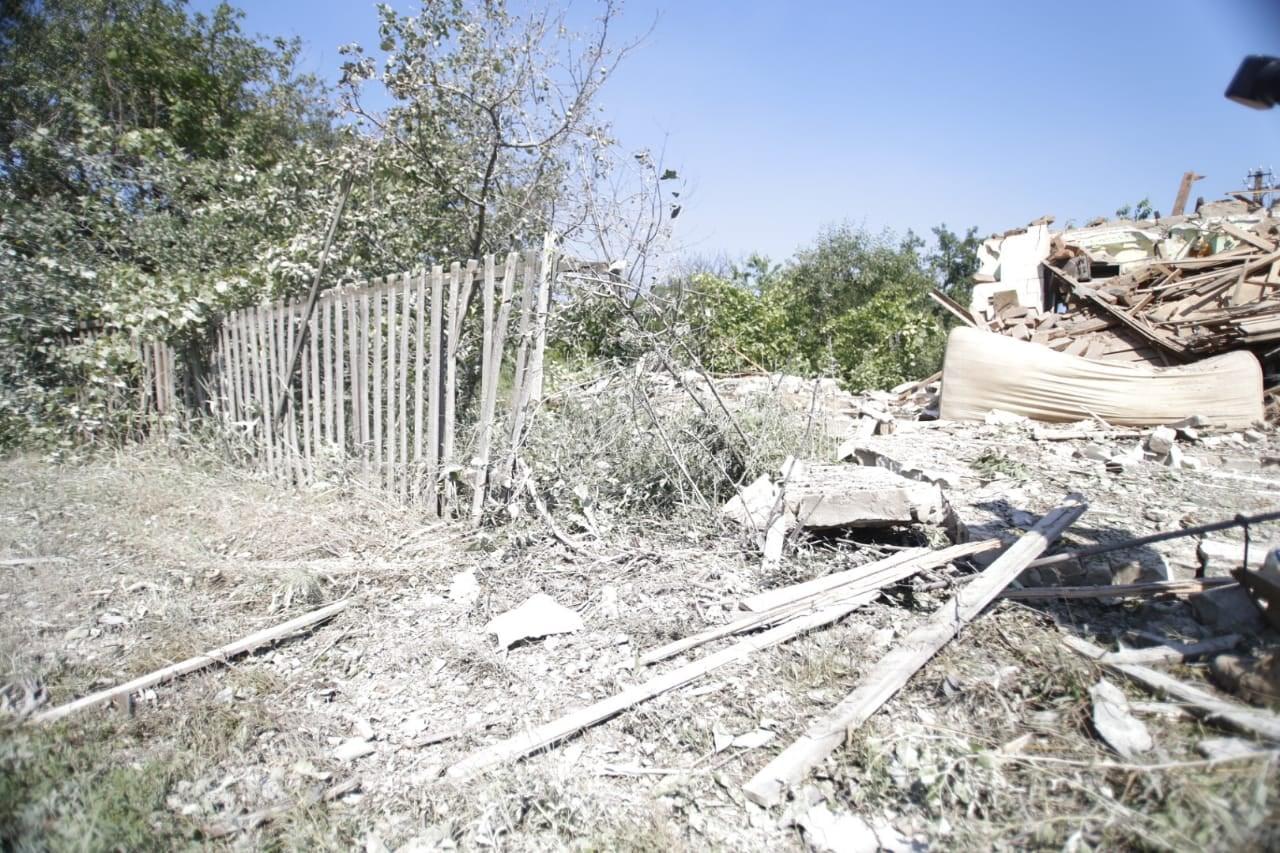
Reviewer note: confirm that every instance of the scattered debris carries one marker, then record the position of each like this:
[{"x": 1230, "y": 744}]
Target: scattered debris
[
  {"x": 1114, "y": 722},
  {"x": 1246, "y": 719},
  {"x": 539, "y": 616}
]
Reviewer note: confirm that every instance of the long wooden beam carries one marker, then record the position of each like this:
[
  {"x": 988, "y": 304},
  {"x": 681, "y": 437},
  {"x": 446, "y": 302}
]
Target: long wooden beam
[
  {"x": 895, "y": 669},
  {"x": 219, "y": 655}
]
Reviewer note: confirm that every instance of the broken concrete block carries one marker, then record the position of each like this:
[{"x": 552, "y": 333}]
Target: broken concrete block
[
  {"x": 1161, "y": 440},
  {"x": 1253, "y": 436},
  {"x": 751, "y": 507},
  {"x": 1174, "y": 458},
  {"x": 824, "y": 496},
  {"x": 1228, "y": 609}
]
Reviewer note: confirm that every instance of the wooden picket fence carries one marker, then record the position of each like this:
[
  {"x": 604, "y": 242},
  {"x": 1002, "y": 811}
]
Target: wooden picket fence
[
  {"x": 159, "y": 391},
  {"x": 377, "y": 380}
]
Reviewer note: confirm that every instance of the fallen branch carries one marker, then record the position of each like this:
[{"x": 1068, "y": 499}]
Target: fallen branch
[
  {"x": 893, "y": 670},
  {"x": 219, "y": 655},
  {"x": 1233, "y": 714},
  {"x": 558, "y": 730},
  {"x": 864, "y": 586}
]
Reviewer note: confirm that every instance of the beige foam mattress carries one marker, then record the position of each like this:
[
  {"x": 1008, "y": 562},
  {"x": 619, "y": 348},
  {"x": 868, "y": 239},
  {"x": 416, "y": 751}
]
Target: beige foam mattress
[{"x": 985, "y": 371}]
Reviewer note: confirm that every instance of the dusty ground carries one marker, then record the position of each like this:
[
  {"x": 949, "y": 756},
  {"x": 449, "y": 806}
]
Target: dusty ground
[{"x": 989, "y": 746}]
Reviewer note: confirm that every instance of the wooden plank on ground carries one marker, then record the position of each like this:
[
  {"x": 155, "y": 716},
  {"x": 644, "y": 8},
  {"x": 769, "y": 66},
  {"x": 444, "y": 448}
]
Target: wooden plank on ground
[
  {"x": 222, "y": 654},
  {"x": 868, "y": 579},
  {"x": 895, "y": 669}
]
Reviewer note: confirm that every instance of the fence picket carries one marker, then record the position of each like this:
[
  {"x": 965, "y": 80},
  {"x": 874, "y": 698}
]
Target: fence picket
[{"x": 433, "y": 392}]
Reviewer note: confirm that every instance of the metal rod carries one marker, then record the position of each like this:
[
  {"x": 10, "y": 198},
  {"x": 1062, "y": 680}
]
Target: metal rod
[{"x": 1092, "y": 550}]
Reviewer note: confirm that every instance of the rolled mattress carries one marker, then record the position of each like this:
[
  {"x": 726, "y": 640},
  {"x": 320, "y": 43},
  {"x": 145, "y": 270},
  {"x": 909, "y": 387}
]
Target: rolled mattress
[{"x": 985, "y": 371}]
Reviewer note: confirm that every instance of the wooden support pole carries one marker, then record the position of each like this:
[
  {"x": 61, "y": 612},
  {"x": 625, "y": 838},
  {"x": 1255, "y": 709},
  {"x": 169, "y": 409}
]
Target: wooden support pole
[
  {"x": 896, "y": 668},
  {"x": 222, "y": 654},
  {"x": 487, "y": 380},
  {"x": 344, "y": 190}
]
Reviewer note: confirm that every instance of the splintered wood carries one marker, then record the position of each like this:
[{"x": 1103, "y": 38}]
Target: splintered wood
[{"x": 1162, "y": 310}]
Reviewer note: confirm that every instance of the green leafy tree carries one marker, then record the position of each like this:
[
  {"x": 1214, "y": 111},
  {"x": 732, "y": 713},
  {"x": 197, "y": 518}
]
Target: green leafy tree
[{"x": 953, "y": 261}]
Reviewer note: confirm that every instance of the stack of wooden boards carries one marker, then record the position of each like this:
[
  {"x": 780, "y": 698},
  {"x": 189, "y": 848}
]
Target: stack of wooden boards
[{"x": 1163, "y": 311}]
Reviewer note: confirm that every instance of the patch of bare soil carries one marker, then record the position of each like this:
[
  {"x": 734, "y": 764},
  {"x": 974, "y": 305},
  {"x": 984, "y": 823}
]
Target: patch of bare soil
[{"x": 338, "y": 737}]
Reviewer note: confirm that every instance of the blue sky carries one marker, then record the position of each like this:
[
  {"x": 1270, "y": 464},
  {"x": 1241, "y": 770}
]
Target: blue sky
[{"x": 785, "y": 118}]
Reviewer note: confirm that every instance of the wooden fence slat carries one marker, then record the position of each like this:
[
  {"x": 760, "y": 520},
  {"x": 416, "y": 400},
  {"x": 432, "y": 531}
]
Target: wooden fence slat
[
  {"x": 341, "y": 307},
  {"x": 391, "y": 443},
  {"x": 546, "y": 274},
  {"x": 286, "y": 331},
  {"x": 222, "y": 405},
  {"x": 326, "y": 338},
  {"x": 313, "y": 344},
  {"x": 309, "y": 392},
  {"x": 376, "y": 366},
  {"x": 527, "y": 298},
  {"x": 433, "y": 392},
  {"x": 246, "y": 395},
  {"x": 486, "y": 379},
  {"x": 233, "y": 366},
  {"x": 263, "y": 353},
  {"x": 492, "y": 360},
  {"x": 362, "y": 369},
  {"x": 403, "y": 387},
  {"x": 451, "y": 376},
  {"x": 419, "y": 333}
]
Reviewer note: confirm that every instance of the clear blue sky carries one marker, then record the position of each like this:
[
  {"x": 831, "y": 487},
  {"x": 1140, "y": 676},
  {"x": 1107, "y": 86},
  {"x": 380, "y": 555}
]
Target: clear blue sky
[{"x": 788, "y": 117}]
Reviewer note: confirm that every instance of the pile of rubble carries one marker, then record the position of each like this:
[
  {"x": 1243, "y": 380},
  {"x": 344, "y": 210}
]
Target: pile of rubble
[
  {"x": 1160, "y": 291},
  {"x": 1152, "y": 294}
]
